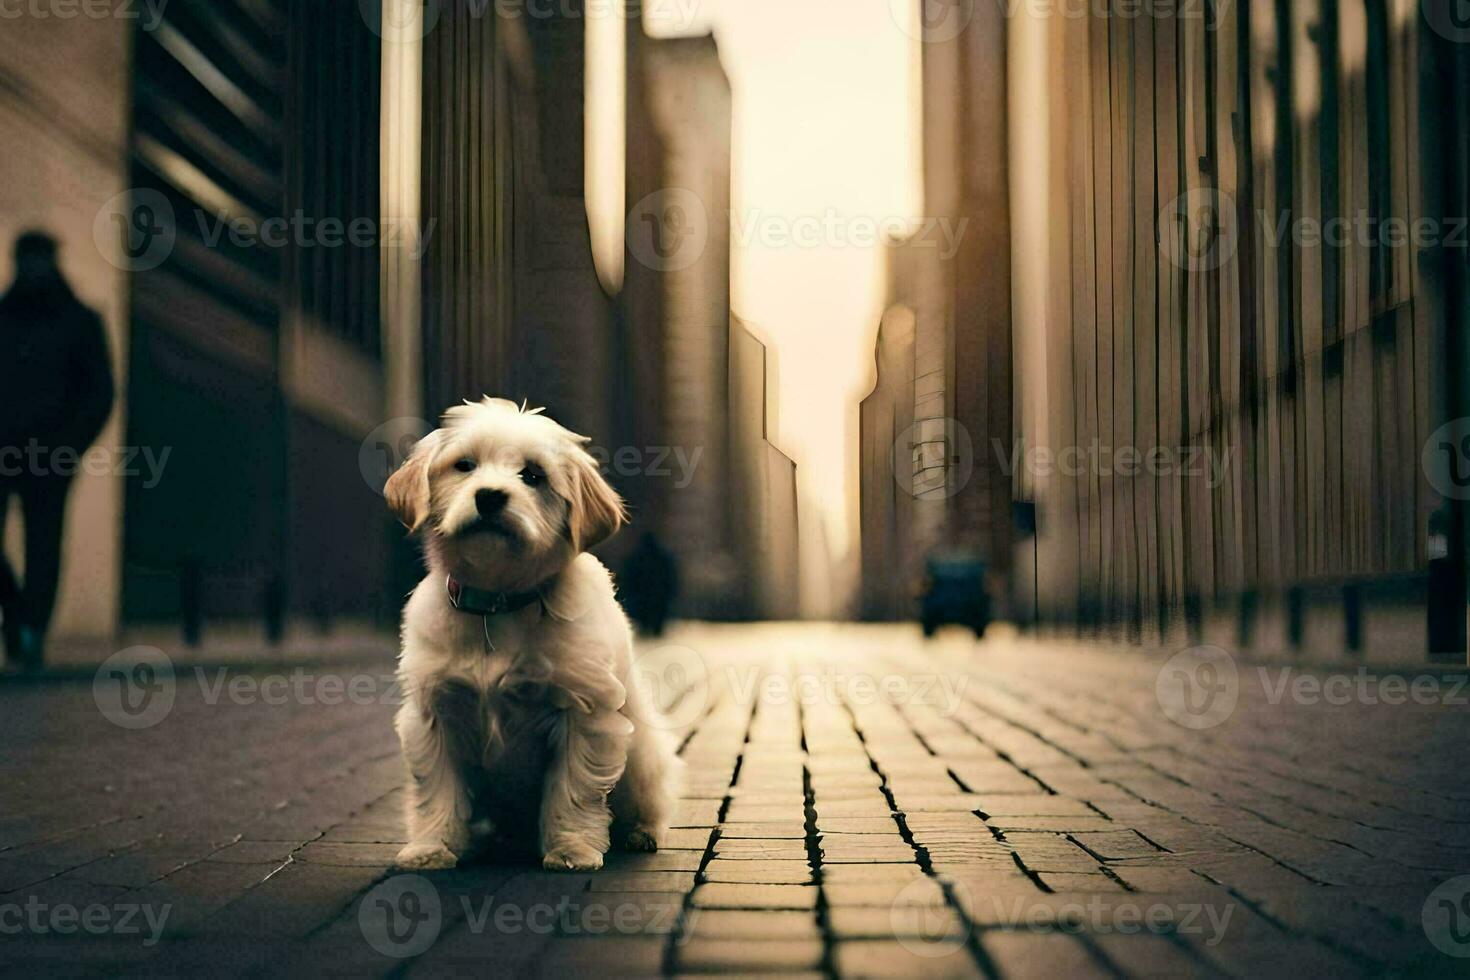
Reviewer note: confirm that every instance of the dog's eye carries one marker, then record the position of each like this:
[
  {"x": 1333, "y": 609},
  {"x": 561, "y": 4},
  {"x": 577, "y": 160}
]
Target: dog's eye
[
  {"x": 465, "y": 466},
  {"x": 532, "y": 476}
]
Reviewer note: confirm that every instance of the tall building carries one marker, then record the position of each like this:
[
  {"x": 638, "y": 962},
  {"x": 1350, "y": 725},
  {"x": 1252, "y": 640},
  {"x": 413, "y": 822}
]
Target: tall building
[
  {"x": 1275, "y": 393},
  {"x": 286, "y": 274},
  {"x": 966, "y": 185},
  {"x": 911, "y": 451},
  {"x": 938, "y": 427},
  {"x": 254, "y": 353},
  {"x": 674, "y": 314},
  {"x": 762, "y": 491},
  {"x": 511, "y": 301}
]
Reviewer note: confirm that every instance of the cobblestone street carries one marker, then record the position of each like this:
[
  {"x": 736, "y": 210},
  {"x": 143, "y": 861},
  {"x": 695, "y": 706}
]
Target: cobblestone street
[{"x": 857, "y": 803}]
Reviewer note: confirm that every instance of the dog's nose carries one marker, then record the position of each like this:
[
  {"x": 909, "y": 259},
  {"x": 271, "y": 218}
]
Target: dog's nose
[{"x": 490, "y": 502}]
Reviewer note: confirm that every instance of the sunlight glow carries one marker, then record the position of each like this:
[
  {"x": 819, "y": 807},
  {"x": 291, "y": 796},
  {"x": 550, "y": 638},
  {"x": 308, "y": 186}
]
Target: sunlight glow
[
  {"x": 606, "y": 142},
  {"x": 826, "y": 156}
]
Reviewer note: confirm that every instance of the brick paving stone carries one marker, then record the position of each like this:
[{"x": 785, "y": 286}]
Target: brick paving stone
[
  {"x": 856, "y": 825},
  {"x": 352, "y": 855},
  {"x": 707, "y": 955},
  {"x": 1112, "y": 845},
  {"x": 759, "y": 872},
  {"x": 1052, "y": 785},
  {"x": 758, "y": 850},
  {"x": 1157, "y": 880},
  {"x": 1151, "y": 955},
  {"x": 1032, "y": 806},
  {"x": 1039, "y": 954},
  {"x": 697, "y": 813},
  {"x": 603, "y": 913},
  {"x": 871, "y": 872},
  {"x": 623, "y": 957},
  {"x": 775, "y": 830},
  {"x": 989, "y": 778},
  {"x": 256, "y": 852},
  {"x": 1049, "y": 824},
  {"x": 643, "y": 881},
  {"x": 664, "y": 860},
  {"x": 1059, "y": 881},
  {"x": 914, "y": 891},
  {"x": 892, "y": 958},
  {"x": 686, "y": 839},
  {"x": 938, "y": 924},
  {"x": 737, "y": 924},
  {"x": 720, "y": 895}
]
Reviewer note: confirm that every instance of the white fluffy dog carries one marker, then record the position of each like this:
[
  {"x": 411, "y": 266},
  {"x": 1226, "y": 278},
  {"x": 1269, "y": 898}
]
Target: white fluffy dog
[{"x": 519, "y": 714}]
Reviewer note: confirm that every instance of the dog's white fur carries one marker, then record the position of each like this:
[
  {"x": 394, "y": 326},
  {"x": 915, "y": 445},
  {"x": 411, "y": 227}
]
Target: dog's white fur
[{"x": 547, "y": 704}]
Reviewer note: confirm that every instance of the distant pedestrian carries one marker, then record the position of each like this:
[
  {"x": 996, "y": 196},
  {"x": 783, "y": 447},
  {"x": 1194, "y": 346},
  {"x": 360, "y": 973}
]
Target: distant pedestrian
[
  {"x": 649, "y": 584},
  {"x": 55, "y": 395}
]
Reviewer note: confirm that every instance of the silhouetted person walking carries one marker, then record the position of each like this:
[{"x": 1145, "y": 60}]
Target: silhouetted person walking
[
  {"x": 649, "y": 583},
  {"x": 55, "y": 395}
]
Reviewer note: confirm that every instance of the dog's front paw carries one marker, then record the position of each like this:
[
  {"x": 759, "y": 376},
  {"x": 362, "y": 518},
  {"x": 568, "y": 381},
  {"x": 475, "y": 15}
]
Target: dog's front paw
[
  {"x": 426, "y": 856},
  {"x": 641, "y": 840},
  {"x": 572, "y": 857}
]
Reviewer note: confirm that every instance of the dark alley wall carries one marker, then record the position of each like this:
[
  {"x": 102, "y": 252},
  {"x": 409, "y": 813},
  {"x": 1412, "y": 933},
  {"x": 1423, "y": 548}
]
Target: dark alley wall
[
  {"x": 1181, "y": 318},
  {"x": 255, "y": 356}
]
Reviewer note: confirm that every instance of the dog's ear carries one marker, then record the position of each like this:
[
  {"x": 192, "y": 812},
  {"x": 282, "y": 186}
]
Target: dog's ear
[
  {"x": 597, "y": 512},
  {"x": 407, "y": 490}
]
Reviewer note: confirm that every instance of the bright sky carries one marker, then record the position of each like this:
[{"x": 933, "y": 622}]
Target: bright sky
[{"x": 826, "y": 149}]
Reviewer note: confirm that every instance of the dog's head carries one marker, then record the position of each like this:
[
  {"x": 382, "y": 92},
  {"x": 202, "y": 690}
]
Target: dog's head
[{"x": 504, "y": 495}]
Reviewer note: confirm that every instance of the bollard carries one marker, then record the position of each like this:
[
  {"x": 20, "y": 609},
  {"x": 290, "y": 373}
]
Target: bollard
[
  {"x": 1245, "y": 624},
  {"x": 1296, "y": 602},
  {"x": 191, "y": 601},
  {"x": 1352, "y": 610},
  {"x": 275, "y": 610}
]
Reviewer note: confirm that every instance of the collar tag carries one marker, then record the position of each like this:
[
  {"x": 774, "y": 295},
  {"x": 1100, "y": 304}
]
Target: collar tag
[{"x": 483, "y": 602}]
